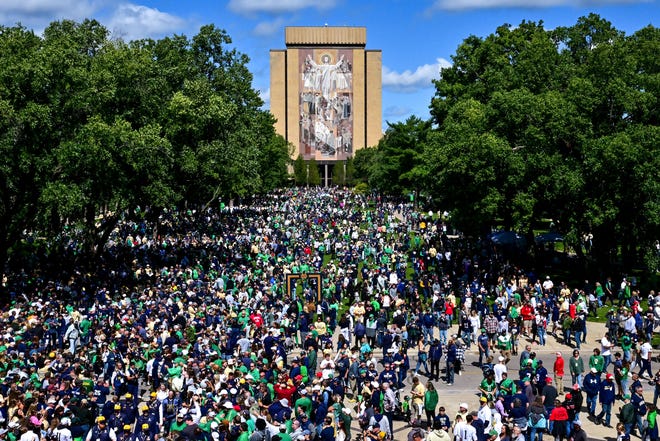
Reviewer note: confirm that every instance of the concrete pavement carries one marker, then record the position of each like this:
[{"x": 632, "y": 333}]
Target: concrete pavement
[{"x": 465, "y": 386}]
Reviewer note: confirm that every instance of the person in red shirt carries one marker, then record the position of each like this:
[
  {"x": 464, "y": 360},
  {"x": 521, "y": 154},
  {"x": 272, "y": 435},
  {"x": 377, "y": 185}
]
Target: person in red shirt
[
  {"x": 527, "y": 313},
  {"x": 559, "y": 418},
  {"x": 558, "y": 371},
  {"x": 257, "y": 319},
  {"x": 285, "y": 389}
]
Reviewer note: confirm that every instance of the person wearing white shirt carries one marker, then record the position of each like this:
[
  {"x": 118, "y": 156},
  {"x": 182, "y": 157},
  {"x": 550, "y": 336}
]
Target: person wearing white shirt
[
  {"x": 645, "y": 360},
  {"x": 469, "y": 432},
  {"x": 499, "y": 369},
  {"x": 547, "y": 284},
  {"x": 485, "y": 414},
  {"x": 459, "y": 428}
]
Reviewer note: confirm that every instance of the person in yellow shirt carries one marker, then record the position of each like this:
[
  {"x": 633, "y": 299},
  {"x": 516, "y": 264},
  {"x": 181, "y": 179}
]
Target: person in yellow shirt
[
  {"x": 320, "y": 327},
  {"x": 358, "y": 312},
  {"x": 418, "y": 391}
]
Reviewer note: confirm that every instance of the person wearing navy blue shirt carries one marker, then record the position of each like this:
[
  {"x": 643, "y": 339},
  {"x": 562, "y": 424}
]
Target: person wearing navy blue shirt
[
  {"x": 388, "y": 375},
  {"x": 607, "y": 396},
  {"x": 435, "y": 354},
  {"x": 442, "y": 418},
  {"x": 591, "y": 387},
  {"x": 404, "y": 366},
  {"x": 541, "y": 373},
  {"x": 639, "y": 404},
  {"x": 483, "y": 344},
  {"x": 451, "y": 359}
]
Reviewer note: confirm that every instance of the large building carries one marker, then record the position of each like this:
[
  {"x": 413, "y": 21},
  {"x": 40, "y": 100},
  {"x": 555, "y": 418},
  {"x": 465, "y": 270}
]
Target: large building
[{"x": 325, "y": 92}]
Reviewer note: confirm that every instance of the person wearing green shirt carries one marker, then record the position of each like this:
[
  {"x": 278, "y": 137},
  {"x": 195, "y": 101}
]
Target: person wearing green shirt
[
  {"x": 507, "y": 386},
  {"x": 488, "y": 386},
  {"x": 576, "y": 367},
  {"x": 597, "y": 361},
  {"x": 244, "y": 433},
  {"x": 304, "y": 403},
  {"x": 504, "y": 345},
  {"x": 430, "y": 402},
  {"x": 651, "y": 418},
  {"x": 283, "y": 435},
  {"x": 626, "y": 345},
  {"x": 178, "y": 424}
]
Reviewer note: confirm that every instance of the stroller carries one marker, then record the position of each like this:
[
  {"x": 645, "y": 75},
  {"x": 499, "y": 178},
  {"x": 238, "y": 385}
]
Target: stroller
[{"x": 402, "y": 412}]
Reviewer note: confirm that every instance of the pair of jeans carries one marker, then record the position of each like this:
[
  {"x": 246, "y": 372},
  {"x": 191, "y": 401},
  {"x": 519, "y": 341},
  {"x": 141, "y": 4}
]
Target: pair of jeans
[
  {"x": 541, "y": 333},
  {"x": 607, "y": 361},
  {"x": 467, "y": 336},
  {"x": 484, "y": 353},
  {"x": 427, "y": 332},
  {"x": 591, "y": 404},
  {"x": 576, "y": 379},
  {"x": 639, "y": 424},
  {"x": 646, "y": 367},
  {"x": 656, "y": 394},
  {"x": 443, "y": 336},
  {"x": 606, "y": 411},
  {"x": 577, "y": 335},
  {"x": 533, "y": 431},
  {"x": 450, "y": 373},
  {"x": 421, "y": 361}
]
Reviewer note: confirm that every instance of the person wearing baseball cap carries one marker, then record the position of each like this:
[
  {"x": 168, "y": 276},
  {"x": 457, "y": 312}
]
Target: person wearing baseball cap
[
  {"x": 549, "y": 394},
  {"x": 578, "y": 434},
  {"x": 606, "y": 397},
  {"x": 558, "y": 370},
  {"x": 591, "y": 386},
  {"x": 101, "y": 432}
]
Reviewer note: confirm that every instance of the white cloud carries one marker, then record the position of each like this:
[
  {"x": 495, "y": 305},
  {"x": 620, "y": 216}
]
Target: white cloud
[
  {"x": 39, "y": 13},
  {"x": 268, "y": 28},
  {"x": 396, "y": 111},
  {"x": 130, "y": 22},
  {"x": 457, "y": 5},
  {"x": 277, "y": 6},
  {"x": 409, "y": 81},
  {"x": 265, "y": 96}
]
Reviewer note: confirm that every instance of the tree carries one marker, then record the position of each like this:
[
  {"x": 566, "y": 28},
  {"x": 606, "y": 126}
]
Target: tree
[
  {"x": 93, "y": 128},
  {"x": 362, "y": 163},
  {"x": 350, "y": 171},
  {"x": 528, "y": 123},
  {"x": 313, "y": 175},
  {"x": 300, "y": 170},
  {"x": 339, "y": 173},
  {"x": 274, "y": 161},
  {"x": 399, "y": 152}
]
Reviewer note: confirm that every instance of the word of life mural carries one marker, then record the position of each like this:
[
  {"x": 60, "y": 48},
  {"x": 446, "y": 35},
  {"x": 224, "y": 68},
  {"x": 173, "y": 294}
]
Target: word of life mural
[{"x": 326, "y": 99}]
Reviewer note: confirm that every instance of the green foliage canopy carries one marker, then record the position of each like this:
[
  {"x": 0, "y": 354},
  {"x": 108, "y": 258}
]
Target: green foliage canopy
[{"x": 91, "y": 125}]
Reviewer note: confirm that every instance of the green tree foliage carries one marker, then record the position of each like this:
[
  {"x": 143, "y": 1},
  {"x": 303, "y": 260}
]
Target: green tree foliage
[
  {"x": 339, "y": 173},
  {"x": 91, "y": 126},
  {"x": 300, "y": 170},
  {"x": 313, "y": 175},
  {"x": 532, "y": 123},
  {"x": 362, "y": 163},
  {"x": 394, "y": 168},
  {"x": 350, "y": 171}
]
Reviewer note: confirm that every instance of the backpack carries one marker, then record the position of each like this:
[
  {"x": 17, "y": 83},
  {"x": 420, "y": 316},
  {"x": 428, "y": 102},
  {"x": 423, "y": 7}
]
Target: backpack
[
  {"x": 414, "y": 431},
  {"x": 537, "y": 421},
  {"x": 264, "y": 435}
]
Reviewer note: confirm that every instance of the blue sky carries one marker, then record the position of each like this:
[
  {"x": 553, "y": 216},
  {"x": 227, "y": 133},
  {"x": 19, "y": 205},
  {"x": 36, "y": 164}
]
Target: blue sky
[{"x": 416, "y": 36}]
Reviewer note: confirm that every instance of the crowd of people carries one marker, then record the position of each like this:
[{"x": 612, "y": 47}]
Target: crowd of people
[{"x": 188, "y": 328}]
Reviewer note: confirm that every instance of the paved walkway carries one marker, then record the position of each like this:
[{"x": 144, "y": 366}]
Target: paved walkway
[{"x": 465, "y": 385}]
